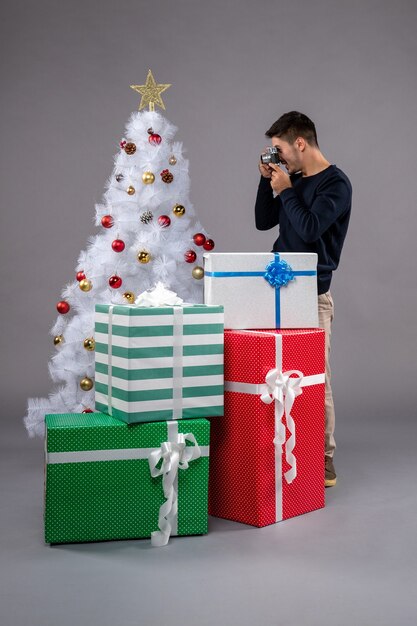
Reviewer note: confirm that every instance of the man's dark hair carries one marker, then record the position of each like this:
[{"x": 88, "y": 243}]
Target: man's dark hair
[{"x": 292, "y": 125}]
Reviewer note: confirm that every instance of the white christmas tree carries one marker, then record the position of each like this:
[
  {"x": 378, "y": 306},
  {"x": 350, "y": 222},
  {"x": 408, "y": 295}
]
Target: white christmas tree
[{"x": 148, "y": 234}]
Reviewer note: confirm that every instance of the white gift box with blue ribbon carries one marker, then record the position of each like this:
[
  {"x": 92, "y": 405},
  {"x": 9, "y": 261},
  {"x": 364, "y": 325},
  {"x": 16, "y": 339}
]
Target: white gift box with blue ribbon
[{"x": 263, "y": 290}]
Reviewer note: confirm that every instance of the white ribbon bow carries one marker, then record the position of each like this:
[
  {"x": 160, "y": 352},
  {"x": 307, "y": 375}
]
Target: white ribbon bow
[
  {"x": 158, "y": 296},
  {"x": 283, "y": 390},
  {"x": 174, "y": 455}
]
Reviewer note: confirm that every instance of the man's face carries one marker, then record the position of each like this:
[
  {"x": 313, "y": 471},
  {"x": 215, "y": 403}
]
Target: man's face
[{"x": 289, "y": 154}]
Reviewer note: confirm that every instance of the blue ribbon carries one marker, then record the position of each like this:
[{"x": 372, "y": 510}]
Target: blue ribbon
[{"x": 278, "y": 273}]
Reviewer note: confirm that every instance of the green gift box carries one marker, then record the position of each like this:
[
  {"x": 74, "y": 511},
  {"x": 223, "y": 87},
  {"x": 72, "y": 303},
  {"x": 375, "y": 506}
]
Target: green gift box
[
  {"x": 159, "y": 363},
  {"x": 108, "y": 480}
]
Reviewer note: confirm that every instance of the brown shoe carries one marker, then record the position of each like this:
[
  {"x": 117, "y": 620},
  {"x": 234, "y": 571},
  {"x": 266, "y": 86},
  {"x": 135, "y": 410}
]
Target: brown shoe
[{"x": 330, "y": 477}]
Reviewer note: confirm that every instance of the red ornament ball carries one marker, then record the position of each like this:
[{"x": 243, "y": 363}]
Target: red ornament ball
[
  {"x": 190, "y": 256},
  {"x": 88, "y": 411},
  {"x": 208, "y": 244},
  {"x": 80, "y": 275},
  {"x": 62, "y": 307},
  {"x": 164, "y": 221},
  {"x": 123, "y": 143},
  {"x": 107, "y": 221},
  {"x": 199, "y": 239},
  {"x": 155, "y": 139},
  {"x": 118, "y": 245},
  {"x": 115, "y": 281}
]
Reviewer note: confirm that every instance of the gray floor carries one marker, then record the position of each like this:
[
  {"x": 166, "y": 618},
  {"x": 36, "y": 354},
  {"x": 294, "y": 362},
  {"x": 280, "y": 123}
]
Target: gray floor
[{"x": 353, "y": 562}]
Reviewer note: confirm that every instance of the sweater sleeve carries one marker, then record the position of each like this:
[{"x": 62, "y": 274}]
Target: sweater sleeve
[
  {"x": 331, "y": 202},
  {"x": 267, "y": 207}
]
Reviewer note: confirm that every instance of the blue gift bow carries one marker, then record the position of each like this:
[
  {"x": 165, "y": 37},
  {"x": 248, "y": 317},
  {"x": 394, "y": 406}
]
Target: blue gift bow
[{"x": 278, "y": 273}]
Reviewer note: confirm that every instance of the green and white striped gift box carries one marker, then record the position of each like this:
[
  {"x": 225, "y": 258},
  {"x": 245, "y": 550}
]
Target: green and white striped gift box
[{"x": 159, "y": 363}]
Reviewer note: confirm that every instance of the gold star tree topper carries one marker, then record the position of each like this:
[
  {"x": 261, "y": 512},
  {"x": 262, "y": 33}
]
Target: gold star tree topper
[{"x": 151, "y": 93}]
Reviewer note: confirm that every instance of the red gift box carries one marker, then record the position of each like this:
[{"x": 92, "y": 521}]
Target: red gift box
[{"x": 267, "y": 454}]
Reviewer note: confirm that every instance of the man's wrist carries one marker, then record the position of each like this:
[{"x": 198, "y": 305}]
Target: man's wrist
[{"x": 283, "y": 191}]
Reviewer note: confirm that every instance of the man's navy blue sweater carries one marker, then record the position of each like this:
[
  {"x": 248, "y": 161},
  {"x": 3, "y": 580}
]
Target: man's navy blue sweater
[{"x": 313, "y": 216}]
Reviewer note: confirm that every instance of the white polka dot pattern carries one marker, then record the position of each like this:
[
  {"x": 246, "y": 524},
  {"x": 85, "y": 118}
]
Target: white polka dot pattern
[
  {"x": 118, "y": 499},
  {"x": 242, "y": 466}
]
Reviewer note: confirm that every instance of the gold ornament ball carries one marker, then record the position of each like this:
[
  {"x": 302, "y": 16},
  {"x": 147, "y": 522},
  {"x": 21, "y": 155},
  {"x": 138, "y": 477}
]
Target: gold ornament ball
[
  {"x": 172, "y": 160},
  {"x": 144, "y": 257},
  {"x": 130, "y": 190},
  {"x": 198, "y": 272},
  {"x": 85, "y": 284},
  {"x": 178, "y": 210},
  {"x": 58, "y": 339},
  {"x": 86, "y": 384},
  {"x": 148, "y": 178},
  {"x": 89, "y": 344},
  {"x": 129, "y": 296}
]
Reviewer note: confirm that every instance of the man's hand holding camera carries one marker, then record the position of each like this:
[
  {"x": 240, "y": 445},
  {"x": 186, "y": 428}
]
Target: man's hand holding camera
[
  {"x": 279, "y": 179},
  {"x": 268, "y": 167},
  {"x": 265, "y": 170},
  {"x": 264, "y": 163}
]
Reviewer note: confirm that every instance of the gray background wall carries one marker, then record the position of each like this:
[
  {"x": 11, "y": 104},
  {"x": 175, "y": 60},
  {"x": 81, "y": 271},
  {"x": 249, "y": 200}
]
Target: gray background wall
[{"x": 235, "y": 66}]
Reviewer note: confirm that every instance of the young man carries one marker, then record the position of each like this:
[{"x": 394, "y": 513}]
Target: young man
[{"x": 311, "y": 203}]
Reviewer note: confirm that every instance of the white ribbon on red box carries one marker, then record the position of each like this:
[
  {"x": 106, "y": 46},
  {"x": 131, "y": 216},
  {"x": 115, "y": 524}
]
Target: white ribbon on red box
[{"x": 279, "y": 387}]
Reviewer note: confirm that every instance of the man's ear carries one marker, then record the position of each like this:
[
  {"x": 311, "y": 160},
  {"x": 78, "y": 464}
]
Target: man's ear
[{"x": 300, "y": 142}]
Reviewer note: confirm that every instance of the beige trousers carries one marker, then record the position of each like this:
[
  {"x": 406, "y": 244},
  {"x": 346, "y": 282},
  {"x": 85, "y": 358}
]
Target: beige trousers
[{"x": 326, "y": 314}]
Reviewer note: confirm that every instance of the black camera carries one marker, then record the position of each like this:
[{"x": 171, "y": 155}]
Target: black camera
[{"x": 270, "y": 156}]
